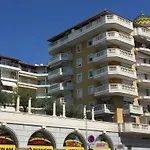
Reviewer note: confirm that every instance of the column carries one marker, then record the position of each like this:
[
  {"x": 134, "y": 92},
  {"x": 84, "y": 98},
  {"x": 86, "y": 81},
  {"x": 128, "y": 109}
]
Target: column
[
  {"x": 29, "y": 106},
  {"x": 54, "y": 108},
  {"x": 18, "y": 104},
  {"x": 84, "y": 112},
  {"x": 93, "y": 119},
  {"x": 64, "y": 111}
]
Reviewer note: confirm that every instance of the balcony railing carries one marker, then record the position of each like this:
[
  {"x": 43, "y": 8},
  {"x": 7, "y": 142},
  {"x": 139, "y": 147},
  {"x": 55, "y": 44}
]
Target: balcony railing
[
  {"x": 103, "y": 109},
  {"x": 140, "y": 31},
  {"x": 112, "y": 19},
  {"x": 133, "y": 109},
  {"x": 60, "y": 57},
  {"x": 114, "y": 53},
  {"x": 134, "y": 128},
  {"x": 143, "y": 50},
  {"x": 59, "y": 87},
  {"x": 60, "y": 72},
  {"x": 115, "y": 70},
  {"x": 116, "y": 89},
  {"x": 113, "y": 36}
]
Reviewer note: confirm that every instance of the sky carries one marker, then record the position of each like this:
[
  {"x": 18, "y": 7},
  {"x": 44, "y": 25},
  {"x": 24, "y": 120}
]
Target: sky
[{"x": 25, "y": 25}]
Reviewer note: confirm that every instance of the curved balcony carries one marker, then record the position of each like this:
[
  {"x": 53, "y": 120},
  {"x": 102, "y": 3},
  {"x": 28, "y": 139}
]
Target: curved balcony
[
  {"x": 116, "y": 89},
  {"x": 114, "y": 54},
  {"x": 143, "y": 50},
  {"x": 89, "y": 30},
  {"x": 60, "y": 88},
  {"x": 142, "y": 32},
  {"x": 144, "y": 80},
  {"x": 113, "y": 71},
  {"x": 113, "y": 37},
  {"x": 60, "y": 58},
  {"x": 59, "y": 74},
  {"x": 143, "y": 65},
  {"x": 133, "y": 109},
  {"x": 102, "y": 109}
]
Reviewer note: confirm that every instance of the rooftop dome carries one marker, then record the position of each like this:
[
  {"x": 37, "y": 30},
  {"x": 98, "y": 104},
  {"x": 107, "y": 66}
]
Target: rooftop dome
[{"x": 143, "y": 20}]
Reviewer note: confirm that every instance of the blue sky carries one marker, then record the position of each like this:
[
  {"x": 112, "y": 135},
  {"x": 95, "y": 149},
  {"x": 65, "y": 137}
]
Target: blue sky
[{"x": 26, "y": 25}]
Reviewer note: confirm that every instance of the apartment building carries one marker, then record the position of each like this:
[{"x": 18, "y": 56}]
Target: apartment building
[
  {"x": 15, "y": 74},
  {"x": 104, "y": 62}
]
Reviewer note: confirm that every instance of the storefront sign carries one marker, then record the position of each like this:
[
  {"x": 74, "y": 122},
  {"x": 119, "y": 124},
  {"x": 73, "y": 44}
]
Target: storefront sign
[
  {"x": 73, "y": 148},
  {"x": 31, "y": 147},
  {"x": 7, "y": 147}
]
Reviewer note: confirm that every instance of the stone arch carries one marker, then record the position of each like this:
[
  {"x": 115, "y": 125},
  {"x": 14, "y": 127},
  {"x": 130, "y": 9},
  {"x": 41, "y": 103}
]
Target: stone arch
[
  {"x": 9, "y": 135},
  {"x": 76, "y": 140},
  {"x": 106, "y": 138},
  {"x": 41, "y": 136}
]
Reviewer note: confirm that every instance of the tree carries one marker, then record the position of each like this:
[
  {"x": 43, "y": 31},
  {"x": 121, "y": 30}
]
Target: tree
[{"x": 25, "y": 94}]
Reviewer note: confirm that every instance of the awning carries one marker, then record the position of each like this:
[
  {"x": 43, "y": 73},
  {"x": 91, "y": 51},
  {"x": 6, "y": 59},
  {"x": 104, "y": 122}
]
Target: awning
[{"x": 8, "y": 83}]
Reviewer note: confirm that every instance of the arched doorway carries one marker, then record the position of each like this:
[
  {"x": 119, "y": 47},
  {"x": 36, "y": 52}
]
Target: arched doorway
[
  {"x": 41, "y": 139},
  {"x": 8, "y": 139},
  {"x": 101, "y": 142},
  {"x": 74, "y": 141}
]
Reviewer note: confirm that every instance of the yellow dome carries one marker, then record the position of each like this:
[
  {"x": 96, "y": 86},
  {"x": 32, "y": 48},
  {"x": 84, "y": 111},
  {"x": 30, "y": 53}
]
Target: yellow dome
[{"x": 143, "y": 20}]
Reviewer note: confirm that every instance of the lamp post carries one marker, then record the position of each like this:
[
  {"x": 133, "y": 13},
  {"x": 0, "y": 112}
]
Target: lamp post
[{"x": 85, "y": 111}]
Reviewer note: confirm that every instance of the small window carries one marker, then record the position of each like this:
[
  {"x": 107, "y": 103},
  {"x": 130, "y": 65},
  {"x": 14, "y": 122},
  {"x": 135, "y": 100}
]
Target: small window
[
  {"x": 79, "y": 62},
  {"x": 79, "y": 93},
  {"x": 78, "y": 48},
  {"x": 89, "y": 43},
  {"x": 90, "y": 74},
  {"x": 90, "y": 89},
  {"x": 90, "y": 58},
  {"x": 79, "y": 77}
]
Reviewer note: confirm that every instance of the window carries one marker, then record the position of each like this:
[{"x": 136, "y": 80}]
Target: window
[
  {"x": 78, "y": 48},
  {"x": 90, "y": 89},
  {"x": 90, "y": 58},
  {"x": 90, "y": 74},
  {"x": 79, "y": 93},
  {"x": 79, "y": 77},
  {"x": 89, "y": 43},
  {"x": 79, "y": 62}
]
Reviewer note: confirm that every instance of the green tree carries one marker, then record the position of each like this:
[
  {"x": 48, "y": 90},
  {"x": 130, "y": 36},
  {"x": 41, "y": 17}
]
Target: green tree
[{"x": 25, "y": 94}]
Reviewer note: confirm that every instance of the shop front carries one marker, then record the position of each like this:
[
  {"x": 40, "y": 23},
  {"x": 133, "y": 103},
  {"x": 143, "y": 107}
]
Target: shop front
[
  {"x": 8, "y": 140},
  {"x": 41, "y": 140},
  {"x": 73, "y": 142}
]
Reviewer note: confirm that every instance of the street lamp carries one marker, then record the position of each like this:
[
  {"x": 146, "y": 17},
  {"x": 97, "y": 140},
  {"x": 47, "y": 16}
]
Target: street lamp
[{"x": 85, "y": 111}]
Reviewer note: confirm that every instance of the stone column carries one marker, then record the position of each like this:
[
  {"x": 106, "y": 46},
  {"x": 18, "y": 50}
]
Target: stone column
[
  {"x": 18, "y": 104},
  {"x": 64, "y": 110},
  {"x": 54, "y": 108},
  {"x": 93, "y": 119},
  {"x": 29, "y": 106}
]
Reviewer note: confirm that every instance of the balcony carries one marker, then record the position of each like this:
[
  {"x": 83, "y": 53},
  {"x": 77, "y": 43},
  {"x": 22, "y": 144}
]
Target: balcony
[
  {"x": 114, "y": 54},
  {"x": 134, "y": 128},
  {"x": 116, "y": 89},
  {"x": 143, "y": 50},
  {"x": 144, "y": 97},
  {"x": 144, "y": 80},
  {"x": 143, "y": 65},
  {"x": 113, "y": 71},
  {"x": 60, "y": 58},
  {"x": 102, "y": 109},
  {"x": 89, "y": 30},
  {"x": 59, "y": 88},
  {"x": 113, "y": 37},
  {"x": 133, "y": 109},
  {"x": 60, "y": 74},
  {"x": 142, "y": 32},
  {"x": 9, "y": 65}
]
